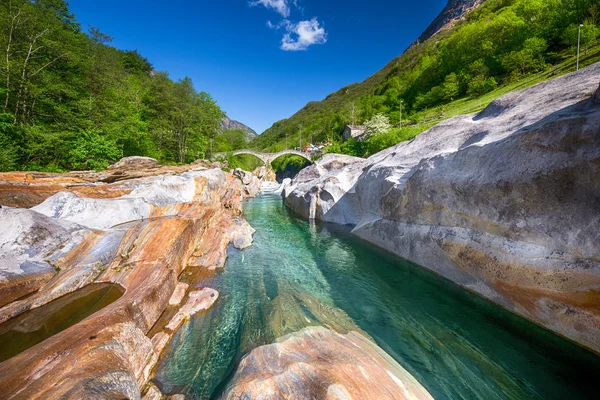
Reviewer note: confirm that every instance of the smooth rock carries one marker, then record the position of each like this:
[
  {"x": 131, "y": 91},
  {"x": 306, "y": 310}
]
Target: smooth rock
[
  {"x": 109, "y": 352},
  {"x": 505, "y": 202},
  {"x": 316, "y": 363},
  {"x": 135, "y": 162},
  {"x": 28, "y": 241},
  {"x": 178, "y": 293},
  {"x": 153, "y": 393},
  {"x": 198, "y": 300}
]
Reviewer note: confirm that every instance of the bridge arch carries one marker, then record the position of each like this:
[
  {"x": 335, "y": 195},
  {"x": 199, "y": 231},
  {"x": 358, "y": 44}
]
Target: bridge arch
[
  {"x": 260, "y": 156},
  {"x": 268, "y": 158},
  {"x": 274, "y": 156}
]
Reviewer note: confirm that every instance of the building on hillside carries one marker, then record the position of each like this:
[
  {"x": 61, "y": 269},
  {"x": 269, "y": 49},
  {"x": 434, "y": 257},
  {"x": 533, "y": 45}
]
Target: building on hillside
[{"x": 353, "y": 131}]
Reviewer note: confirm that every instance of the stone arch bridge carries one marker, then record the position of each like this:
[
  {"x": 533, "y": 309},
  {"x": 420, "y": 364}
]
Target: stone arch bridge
[{"x": 267, "y": 158}]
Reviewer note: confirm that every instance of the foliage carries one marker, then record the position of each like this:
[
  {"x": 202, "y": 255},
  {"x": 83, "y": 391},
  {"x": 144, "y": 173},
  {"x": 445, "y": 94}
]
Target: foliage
[
  {"x": 379, "y": 123},
  {"x": 351, "y": 147},
  {"x": 8, "y": 151},
  {"x": 529, "y": 59},
  {"x": 497, "y": 46},
  {"x": 73, "y": 101},
  {"x": 90, "y": 150},
  {"x": 288, "y": 166},
  {"x": 235, "y": 139},
  {"x": 246, "y": 162}
]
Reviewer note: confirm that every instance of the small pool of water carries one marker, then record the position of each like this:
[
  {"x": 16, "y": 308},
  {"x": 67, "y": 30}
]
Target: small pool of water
[
  {"x": 34, "y": 326},
  {"x": 298, "y": 274}
]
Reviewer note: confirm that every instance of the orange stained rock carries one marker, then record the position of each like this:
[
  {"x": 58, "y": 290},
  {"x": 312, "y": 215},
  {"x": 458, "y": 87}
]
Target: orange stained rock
[
  {"x": 317, "y": 363},
  {"x": 109, "y": 351}
]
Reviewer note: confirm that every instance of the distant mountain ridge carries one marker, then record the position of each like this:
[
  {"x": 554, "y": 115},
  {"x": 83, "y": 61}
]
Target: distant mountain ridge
[
  {"x": 350, "y": 94},
  {"x": 228, "y": 123},
  {"x": 453, "y": 11}
]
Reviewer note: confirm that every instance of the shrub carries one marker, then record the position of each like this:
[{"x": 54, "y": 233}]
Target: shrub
[
  {"x": 90, "y": 150},
  {"x": 379, "y": 123}
]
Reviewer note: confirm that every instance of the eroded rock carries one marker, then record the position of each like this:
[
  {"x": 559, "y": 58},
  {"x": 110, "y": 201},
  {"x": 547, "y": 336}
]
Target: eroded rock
[
  {"x": 316, "y": 363},
  {"x": 198, "y": 300},
  {"x": 505, "y": 202},
  {"x": 28, "y": 241},
  {"x": 145, "y": 230}
]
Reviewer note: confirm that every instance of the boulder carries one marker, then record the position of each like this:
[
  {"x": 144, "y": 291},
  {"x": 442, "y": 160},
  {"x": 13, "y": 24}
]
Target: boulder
[
  {"x": 135, "y": 162},
  {"x": 264, "y": 174},
  {"x": 320, "y": 186},
  {"x": 198, "y": 300},
  {"x": 28, "y": 241},
  {"x": 316, "y": 363},
  {"x": 505, "y": 202},
  {"x": 149, "y": 197},
  {"x": 249, "y": 181}
]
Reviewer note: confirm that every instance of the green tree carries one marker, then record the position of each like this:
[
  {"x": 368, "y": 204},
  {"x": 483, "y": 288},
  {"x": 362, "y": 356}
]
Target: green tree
[
  {"x": 90, "y": 150},
  {"x": 451, "y": 87},
  {"x": 529, "y": 59},
  {"x": 589, "y": 33}
]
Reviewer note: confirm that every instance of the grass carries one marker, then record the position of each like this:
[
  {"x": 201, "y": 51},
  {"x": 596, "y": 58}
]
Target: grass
[{"x": 472, "y": 105}]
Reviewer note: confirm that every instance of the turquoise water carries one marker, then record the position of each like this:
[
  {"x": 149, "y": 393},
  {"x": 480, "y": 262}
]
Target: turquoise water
[{"x": 298, "y": 274}]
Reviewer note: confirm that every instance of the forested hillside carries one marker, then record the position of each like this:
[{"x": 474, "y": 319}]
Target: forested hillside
[
  {"x": 68, "y": 100},
  {"x": 498, "y": 46}
]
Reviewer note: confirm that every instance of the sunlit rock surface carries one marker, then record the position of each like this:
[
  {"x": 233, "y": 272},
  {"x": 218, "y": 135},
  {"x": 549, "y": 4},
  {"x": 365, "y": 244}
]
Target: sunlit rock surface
[
  {"x": 505, "y": 202},
  {"x": 140, "y": 230},
  {"x": 317, "y": 188},
  {"x": 316, "y": 363},
  {"x": 28, "y": 241}
]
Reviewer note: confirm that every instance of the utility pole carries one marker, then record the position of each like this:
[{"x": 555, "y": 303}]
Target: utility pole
[
  {"x": 300, "y": 126},
  {"x": 400, "y": 123},
  {"x": 578, "y": 44},
  {"x": 353, "y": 114},
  {"x": 286, "y": 141}
]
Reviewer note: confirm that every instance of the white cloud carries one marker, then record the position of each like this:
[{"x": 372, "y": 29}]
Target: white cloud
[
  {"x": 303, "y": 34},
  {"x": 281, "y": 6}
]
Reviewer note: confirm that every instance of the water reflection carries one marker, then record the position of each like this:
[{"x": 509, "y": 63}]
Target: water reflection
[{"x": 34, "y": 326}]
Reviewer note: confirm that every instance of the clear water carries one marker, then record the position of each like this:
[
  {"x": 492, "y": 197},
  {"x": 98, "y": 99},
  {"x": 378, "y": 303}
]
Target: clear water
[
  {"x": 297, "y": 274},
  {"x": 34, "y": 326}
]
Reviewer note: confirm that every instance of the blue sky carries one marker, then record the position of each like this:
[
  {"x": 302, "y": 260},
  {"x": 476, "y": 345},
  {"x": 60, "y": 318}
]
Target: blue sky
[{"x": 262, "y": 60}]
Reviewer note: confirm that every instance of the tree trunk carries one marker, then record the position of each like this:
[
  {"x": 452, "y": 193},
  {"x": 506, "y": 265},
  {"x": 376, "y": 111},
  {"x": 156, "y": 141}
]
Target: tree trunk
[
  {"x": 24, "y": 76},
  {"x": 13, "y": 26}
]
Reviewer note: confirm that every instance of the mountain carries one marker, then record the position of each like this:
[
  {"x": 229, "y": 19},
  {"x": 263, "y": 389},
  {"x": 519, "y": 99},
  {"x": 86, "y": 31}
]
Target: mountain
[
  {"x": 453, "y": 11},
  {"x": 343, "y": 98},
  {"x": 228, "y": 123},
  {"x": 473, "y": 52}
]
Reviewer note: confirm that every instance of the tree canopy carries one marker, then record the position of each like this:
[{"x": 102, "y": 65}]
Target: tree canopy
[{"x": 68, "y": 100}]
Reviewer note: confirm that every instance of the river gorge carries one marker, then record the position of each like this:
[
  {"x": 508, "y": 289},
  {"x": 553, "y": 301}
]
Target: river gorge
[
  {"x": 463, "y": 264},
  {"x": 299, "y": 274}
]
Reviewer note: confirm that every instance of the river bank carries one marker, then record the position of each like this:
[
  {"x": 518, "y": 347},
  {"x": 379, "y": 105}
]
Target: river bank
[
  {"x": 137, "y": 226},
  {"x": 505, "y": 203},
  {"x": 299, "y": 275}
]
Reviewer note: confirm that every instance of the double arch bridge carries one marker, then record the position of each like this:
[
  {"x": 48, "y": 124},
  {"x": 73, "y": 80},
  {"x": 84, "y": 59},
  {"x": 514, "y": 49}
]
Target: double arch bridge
[{"x": 267, "y": 158}]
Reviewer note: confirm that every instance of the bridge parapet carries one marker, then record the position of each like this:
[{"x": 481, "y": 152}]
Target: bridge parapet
[{"x": 268, "y": 158}]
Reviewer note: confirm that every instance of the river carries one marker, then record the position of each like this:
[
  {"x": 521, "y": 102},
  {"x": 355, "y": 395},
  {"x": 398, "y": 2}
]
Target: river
[{"x": 298, "y": 274}]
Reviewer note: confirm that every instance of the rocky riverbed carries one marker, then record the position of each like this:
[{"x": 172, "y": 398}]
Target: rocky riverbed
[
  {"x": 139, "y": 225},
  {"x": 505, "y": 202},
  {"x": 99, "y": 270}
]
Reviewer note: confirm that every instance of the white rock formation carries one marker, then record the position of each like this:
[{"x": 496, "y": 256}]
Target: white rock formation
[
  {"x": 28, "y": 240},
  {"x": 505, "y": 202},
  {"x": 147, "y": 195}
]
